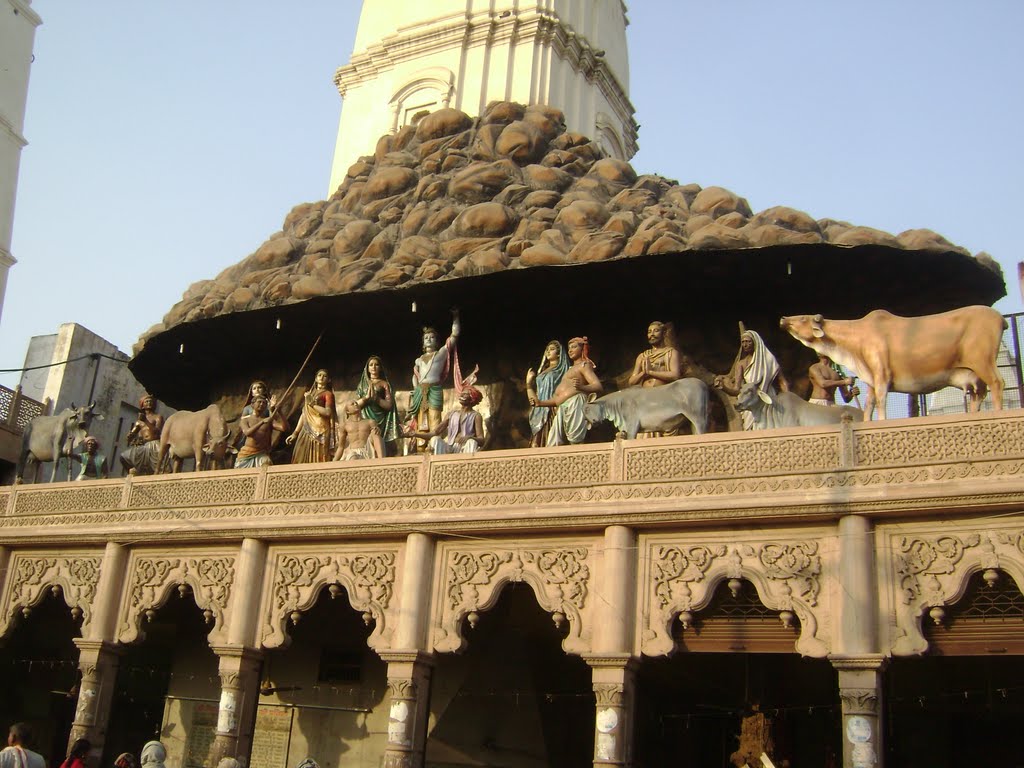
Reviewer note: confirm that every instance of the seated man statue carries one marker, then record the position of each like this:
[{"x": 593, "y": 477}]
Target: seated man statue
[
  {"x": 94, "y": 463},
  {"x": 662, "y": 363},
  {"x": 259, "y": 427},
  {"x": 567, "y": 422},
  {"x": 142, "y": 453},
  {"x": 460, "y": 431},
  {"x": 358, "y": 436}
]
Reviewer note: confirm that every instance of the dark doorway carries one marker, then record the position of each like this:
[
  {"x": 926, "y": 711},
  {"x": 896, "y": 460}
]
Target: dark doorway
[
  {"x": 39, "y": 675},
  {"x": 513, "y": 697}
]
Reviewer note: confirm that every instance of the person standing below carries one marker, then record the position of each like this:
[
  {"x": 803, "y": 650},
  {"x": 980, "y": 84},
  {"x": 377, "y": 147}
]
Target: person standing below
[
  {"x": 77, "y": 755},
  {"x": 568, "y": 425},
  {"x": 314, "y": 435},
  {"x": 662, "y": 363},
  {"x": 259, "y": 428},
  {"x": 429, "y": 372},
  {"x": 17, "y": 754},
  {"x": 143, "y": 440},
  {"x": 825, "y": 380},
  {"x": 540, "y": 385}
]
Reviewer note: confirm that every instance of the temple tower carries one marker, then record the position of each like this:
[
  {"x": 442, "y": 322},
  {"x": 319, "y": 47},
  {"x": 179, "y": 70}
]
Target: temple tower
[{"x": 412, "y": 57}]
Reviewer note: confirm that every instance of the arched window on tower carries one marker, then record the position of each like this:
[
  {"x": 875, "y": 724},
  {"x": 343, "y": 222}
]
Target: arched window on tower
[
  {"x": 608, "y": 138},
  {"x": 428, "y": 90}
]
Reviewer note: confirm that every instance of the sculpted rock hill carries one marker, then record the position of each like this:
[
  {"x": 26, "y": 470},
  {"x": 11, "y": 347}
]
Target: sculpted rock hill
[{"x": 454, "y": 196}]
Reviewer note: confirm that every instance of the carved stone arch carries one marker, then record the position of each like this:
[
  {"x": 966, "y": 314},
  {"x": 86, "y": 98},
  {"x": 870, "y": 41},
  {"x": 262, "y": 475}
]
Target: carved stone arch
[
  {"x": 608, "y": 137},
  {"x": 683, "y": 577},
  {"x": 439, "y": 79},
  {"x": 297, "y": 576},
  {"x": 932, "y": 570},
  {"x": 33, "y": 574},
  {"x": 153, "y": 578},
  {"x": 471, "y": 580}
]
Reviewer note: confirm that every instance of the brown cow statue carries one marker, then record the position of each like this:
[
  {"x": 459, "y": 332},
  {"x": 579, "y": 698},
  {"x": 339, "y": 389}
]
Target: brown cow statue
[
  {"x": 202, "y": 435},
  {"x": 916, "y": 355}
]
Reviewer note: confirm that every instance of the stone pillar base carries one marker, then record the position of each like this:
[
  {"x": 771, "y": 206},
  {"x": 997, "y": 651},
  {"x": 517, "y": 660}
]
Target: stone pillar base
[
  {"x": 613, "y": 678},
  {"x": 239, "y": 670},
  {"x": 98, "y": 661},
  {"x": 409, "y": 689},
  {"x": 860, "y": 691}
]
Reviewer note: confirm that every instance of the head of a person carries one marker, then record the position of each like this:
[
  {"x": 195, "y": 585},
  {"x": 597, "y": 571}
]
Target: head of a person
[
  {"x": 470, "y": 397},
  {"x": 429, "y": 339},
  {"x": 352, "y": 407},
  {"x": 147, "y": 402},
  {"x": 374, "y": 367},
  {"x": 577, "y": 347},
  {"x": 747, "y": 343},
  {"x": 19, "y": 735},
  {"x": 259, "y": 404},
  {"x": 80, "y": 748},
  {"x": 553, "y": 352},
  {"x": 257, "y": 388},
  {"x": 91, "y": 444},
  {"x": 322, "y": 380},
  {"x": 655, "y": 332},
  {"x": 126, "y": 760},
  {"x": 825, "y": 359},
  {"x": 153, "y": 754}
]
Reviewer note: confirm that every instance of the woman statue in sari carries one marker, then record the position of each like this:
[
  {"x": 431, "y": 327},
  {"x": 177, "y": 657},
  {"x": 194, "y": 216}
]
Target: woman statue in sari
[
  {"x": 314, "y": 435},
  {"x": 377, "y": 401},
  {"x": 541, "y": 384}
]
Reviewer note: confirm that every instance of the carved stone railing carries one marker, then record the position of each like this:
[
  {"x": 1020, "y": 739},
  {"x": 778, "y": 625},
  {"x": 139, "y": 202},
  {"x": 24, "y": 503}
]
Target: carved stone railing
[
  {"x": 16, "y": 410},
  {"x": 897, "y": 467}
]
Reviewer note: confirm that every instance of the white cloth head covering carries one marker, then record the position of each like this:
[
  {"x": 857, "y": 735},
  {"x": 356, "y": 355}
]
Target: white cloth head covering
[
  {"x": 763, "y": 366},
  {"x": 153, "y": 755}
]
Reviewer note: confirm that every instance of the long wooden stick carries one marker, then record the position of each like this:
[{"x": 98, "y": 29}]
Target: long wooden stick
[{"x": 299, "y": 373}]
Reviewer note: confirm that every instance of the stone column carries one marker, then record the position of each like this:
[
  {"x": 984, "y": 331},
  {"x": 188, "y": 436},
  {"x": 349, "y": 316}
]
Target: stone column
[
  {"x": 612, "y": 665},
  {"x": 409, "y": 663},
  {"x": 5, "y": 559},
  {"x": 98, "y": 655},
  {"x": 860, "y": 691},
  {"x": 240, "y": 661},
  {"x": 239, "y": 670},
  {"x": 409, "y": 690},
  {"x": 614, "y": 681}
]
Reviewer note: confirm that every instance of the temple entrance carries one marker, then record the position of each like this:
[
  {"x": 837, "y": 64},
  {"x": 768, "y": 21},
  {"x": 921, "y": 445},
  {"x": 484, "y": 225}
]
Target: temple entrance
[
  {"x": 171, "y": 674},
  {"x": 39, "y": 675},
  {"x": 736, "y": 688},
  {"x": 513, "y": 697},
  {"x": 321, "y": 696}
]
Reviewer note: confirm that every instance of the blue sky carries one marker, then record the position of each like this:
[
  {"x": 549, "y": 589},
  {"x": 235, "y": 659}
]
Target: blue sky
[{"x": 168, "y": 140}]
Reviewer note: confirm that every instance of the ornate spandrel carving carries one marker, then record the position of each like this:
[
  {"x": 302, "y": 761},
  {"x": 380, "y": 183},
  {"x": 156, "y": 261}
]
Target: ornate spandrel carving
[
  {"x": 75, "y": 576},
  {"x": 42, "y": 501},
  {"x": 859, "y": 701},
  {"x": 558, "y": 575},
  {"x": 919, "y": 561},
  {"x": 943, "y": 442},
  {"x": 368, "y": 578},
  {"x": 343, "y": 483},
  {"x": 681, "y": 577},
  {"x": 152, "y": 578},
  {"x": 741, "y": 458},
  {"x": 484, "y": 474},
  {"x": 192, "y": 492}
]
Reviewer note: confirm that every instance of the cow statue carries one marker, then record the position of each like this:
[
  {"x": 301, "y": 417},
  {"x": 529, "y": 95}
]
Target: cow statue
[
  {"x": 787, "y": 409},
  {"x": 48, "y": 438},
  {"x": 653, "y": 409},
  {"x": 202, "y": 435},
  {"x": 916, "y": 355}
]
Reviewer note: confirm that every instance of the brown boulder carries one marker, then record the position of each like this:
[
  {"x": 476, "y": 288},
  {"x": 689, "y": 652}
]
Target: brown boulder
[
  {"x": 714, "y": 235},
  {"x": 926, "y": 240},
  {"x": 478, "y": 182},
  {"x": 540, "y": 177},
  {"x": 521, "y": 142},
  {"x": 415, "y": 250},
  {"x": 440, "y": 220},
  {"x": 634, "y": 200},
  {"x": 485, "y": 220},
  {"x": 277, "y": 252},
  {"x": 432, "y": 269},
  {"x": 865, "y": 236},
  {"x": 481, "y": 263},
  {"x": 581, "y": 216},
  {"x": 352, "y": 240},
  {"x": 614, "y": 171},
  {"x": 385, "y": 182},
  {"x": 598, "y": 246},
  {"x": 455, "y": 249},
  {"x": 773, "y": 234},
  {"x": 443, "y": 122},
  {"x": 503, "y": 112},
  {"x": 542, "y": 254},
  {"x": 542, "y": 198},
  {"x": 308, "y": 287},
  {"x": 718, "y": 201},
  {"x": 788, "y": 218},
  {"x": 667, "y": 242},
  {"x": 548, "y": 121}
]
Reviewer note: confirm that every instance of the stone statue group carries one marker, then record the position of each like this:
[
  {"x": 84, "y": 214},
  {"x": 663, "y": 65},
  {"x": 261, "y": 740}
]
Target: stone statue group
[{"x": 566, "y": 396}]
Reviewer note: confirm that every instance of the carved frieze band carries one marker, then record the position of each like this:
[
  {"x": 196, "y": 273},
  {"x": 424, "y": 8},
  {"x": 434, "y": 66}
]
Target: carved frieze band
[
  {"x": 472, "y": 581},
  {"x": 486, "y": 474},
  {"x": 193, "y": 492},
  {"x": 932, "y": 570},
  {"x": 298, "y": 576},
  {"x": 35, "y": 501},
  {"x": 682, "y": 576},
  {"x": 76, "y": 577},
  {"x": 738, "y": 458},
  {"x": 342, "y": 482},
  {"x": 152, "y": 578},
  {"x": 915, "y": 444}
]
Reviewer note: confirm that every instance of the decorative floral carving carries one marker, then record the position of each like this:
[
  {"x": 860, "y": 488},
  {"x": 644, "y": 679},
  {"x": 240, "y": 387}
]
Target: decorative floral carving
[
  {"x": 483, "y": 474},
  {"x": 401, "y": 688},
  {"x": 798, "y": 562},
  {"x": 674, "y": 568},
  {"x": 76, "y": 576},
  {"x": 558, "y": 575},
  {"x": 368, "y": 578},
  {"x": 151, "y": 579},
  {"x": 929, "y": 557}
]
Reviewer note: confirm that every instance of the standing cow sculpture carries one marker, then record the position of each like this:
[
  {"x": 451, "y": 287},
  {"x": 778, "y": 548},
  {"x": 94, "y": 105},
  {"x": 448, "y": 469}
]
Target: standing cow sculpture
[
  {"x": 654, "y": 409},
  {"x": 194, "y": 434},
  {"x": 49, "y": 438},
  {"x": 916, "y": 355}
]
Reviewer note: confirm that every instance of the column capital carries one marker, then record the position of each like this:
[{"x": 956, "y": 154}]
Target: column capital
[{"x": 240, "y": 652}]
